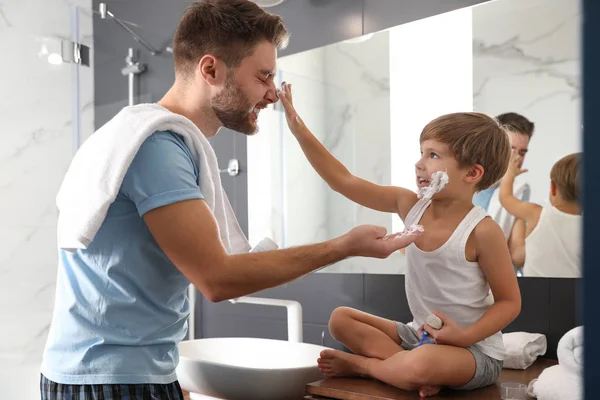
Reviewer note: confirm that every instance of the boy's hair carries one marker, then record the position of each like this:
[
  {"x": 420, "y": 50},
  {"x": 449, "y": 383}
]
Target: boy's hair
[
  {"x": 227, "y": 29},
  {"x": 473, "y": 138},
  {"x": 514, "y": 122},
  {"x": 565, "y": 176}
]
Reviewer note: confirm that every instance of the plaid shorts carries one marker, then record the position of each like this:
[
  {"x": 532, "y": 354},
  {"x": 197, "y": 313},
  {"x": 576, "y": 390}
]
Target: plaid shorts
[{"x": 57, "y": 391}]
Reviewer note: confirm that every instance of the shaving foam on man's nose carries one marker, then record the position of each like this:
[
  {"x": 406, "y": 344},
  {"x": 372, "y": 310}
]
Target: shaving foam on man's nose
[{"x": 439, "y": 180}]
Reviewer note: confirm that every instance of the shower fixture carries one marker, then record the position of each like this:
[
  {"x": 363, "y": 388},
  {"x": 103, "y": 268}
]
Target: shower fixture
[
  {"x": 105, "y": 13},
  {"x": 132, "y": 65}
]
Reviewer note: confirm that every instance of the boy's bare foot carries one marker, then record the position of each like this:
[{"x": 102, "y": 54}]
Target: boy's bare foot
[
  {"x": 338, "y": 363},
  {"x": 428, "y": 391}
]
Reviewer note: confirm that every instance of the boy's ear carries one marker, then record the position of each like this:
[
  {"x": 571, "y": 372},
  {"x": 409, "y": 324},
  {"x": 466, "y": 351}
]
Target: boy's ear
[
  {"x": 553, "y": 188},
  {"x": 474, "y": 174}
]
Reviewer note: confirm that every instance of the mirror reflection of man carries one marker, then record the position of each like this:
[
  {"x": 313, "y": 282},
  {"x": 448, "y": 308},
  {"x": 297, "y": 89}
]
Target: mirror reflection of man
[{"x": 520, "y": 132}]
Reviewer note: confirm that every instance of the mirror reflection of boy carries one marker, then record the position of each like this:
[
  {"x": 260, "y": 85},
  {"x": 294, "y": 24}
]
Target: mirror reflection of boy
[{"x": 551, "y": 246}]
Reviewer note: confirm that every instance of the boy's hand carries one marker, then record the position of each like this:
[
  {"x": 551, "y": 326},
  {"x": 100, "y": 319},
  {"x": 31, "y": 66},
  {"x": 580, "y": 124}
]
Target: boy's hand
[
  {"x": 449, "y": 334},
  {"x": 291, "y": 115},
  {"x": 513, "y": 166}
]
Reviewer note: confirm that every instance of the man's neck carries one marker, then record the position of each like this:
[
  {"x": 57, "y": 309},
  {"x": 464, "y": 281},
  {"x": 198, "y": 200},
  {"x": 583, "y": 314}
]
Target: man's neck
[{"x": 179, "y": 102}]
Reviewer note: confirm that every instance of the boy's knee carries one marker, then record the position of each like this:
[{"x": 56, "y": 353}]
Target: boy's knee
[
  {"x": 339, "y": 319},
  {"x": 417, "y": 369}
]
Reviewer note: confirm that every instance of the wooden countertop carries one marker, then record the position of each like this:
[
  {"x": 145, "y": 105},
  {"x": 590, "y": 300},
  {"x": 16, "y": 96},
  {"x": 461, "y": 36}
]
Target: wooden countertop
[{"x": 366, "y": 389}]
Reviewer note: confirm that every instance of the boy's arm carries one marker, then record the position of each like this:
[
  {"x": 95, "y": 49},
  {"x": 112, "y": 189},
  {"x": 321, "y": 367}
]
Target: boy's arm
[
  {"x": 516, "y": 243},
  {"x": 381, "y": 198},
  {"x": 529, "y": 212},
  {"x": 494, "y": 259}
]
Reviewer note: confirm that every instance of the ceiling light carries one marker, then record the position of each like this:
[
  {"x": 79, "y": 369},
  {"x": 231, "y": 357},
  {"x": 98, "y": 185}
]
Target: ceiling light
[
  {"x": 268, "y": 3},
  {"x": 359, "y": 39}
]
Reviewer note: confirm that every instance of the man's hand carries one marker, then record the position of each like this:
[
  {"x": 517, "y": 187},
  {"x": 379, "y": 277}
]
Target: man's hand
[{"x": 371, "y": 241}]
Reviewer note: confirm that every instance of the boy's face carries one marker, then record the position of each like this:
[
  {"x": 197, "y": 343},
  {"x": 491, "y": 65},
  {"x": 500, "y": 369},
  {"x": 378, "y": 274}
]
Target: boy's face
[{"x": 436, "y": 156}]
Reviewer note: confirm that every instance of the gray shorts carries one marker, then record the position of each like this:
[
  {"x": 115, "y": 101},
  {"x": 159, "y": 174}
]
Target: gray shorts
[{"x": 487, "y": 369}]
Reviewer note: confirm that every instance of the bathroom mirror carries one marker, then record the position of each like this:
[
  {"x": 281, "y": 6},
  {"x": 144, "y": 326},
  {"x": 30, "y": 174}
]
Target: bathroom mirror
[{"x": 367, "y": 100}]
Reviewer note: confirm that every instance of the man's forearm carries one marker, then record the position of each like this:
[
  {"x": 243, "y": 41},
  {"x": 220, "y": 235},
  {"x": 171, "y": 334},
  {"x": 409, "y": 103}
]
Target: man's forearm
[{"x": 244, "y": 274}]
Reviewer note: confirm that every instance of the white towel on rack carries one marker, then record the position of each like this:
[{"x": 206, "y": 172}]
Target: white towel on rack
[{"x": 97, "y": 170}]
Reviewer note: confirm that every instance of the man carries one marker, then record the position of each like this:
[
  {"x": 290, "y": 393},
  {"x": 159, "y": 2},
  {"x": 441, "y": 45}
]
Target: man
[
  {"x": 520, "y": 131},
  {"x": 121, "y": 307}
]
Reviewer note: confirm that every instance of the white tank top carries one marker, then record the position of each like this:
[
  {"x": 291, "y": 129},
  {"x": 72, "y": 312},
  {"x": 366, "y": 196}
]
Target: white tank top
[
  {"x": 446, "y": 281},
  {"x": 553, "y": 248}
]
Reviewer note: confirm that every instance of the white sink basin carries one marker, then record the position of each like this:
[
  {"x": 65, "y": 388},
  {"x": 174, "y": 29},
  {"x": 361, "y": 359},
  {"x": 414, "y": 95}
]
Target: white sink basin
[{"x": 247, "y": 368}]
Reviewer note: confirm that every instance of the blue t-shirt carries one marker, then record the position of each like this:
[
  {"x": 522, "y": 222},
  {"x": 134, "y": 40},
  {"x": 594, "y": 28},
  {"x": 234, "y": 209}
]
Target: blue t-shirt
[
  {"x": 121, "y": 305},
  {"x": 482, "y": 199}
]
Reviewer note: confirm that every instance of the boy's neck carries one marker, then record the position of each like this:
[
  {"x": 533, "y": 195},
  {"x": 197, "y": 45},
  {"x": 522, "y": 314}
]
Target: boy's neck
[
  {"x": 568, "y": 207},
  {"x": 444, "y": 207}
]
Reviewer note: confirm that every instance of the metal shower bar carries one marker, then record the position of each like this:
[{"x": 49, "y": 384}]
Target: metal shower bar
[{"x": 104, "y": 12}]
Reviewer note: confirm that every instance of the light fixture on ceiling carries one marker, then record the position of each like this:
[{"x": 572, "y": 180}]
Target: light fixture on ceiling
[
  {"x": 268, "y": 3},
  {"x": 359, "y": 39}
]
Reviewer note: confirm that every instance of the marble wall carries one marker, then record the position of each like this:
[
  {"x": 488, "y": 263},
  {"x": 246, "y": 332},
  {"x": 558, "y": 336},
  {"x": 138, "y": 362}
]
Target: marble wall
[
  {"x": 37, "y": 144},
  {"x": 286, "y": 197},
  {"x": 288, "y": 200},
  {"x": 527, "y": 59}
]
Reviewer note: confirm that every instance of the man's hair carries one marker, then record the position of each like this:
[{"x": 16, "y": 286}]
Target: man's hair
[
  {"x": 517, "y": 123},
  {"x": 473, "y": 138},
  {"x": 565, "y": 176},
  {"x": 227, "y": 29}
]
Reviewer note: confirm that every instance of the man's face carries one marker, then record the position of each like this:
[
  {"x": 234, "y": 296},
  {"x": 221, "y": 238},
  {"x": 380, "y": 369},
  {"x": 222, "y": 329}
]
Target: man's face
[
  {"x": 520, "y": 145},
  {"x": 247, "y": 89}
]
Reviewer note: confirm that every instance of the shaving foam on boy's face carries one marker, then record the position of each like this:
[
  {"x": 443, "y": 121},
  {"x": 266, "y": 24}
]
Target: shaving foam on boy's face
[{"x": 435, "y": 184}]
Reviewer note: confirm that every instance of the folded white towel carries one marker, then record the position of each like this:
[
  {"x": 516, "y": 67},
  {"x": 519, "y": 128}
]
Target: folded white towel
[
  {"x": 557, "y": 383},
  {"x": 523, "y": 348},
  {"x": 570, "y": 350},
  {"x": 96, "y": 173},
  {"x": 563, "y": 381},
  {"x": 499, "y": 214}
]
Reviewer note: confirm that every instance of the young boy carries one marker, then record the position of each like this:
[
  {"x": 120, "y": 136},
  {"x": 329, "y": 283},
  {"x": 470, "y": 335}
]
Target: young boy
[
  {"x": 452, "y": 266},
  {"x": 552, "y": 243}
]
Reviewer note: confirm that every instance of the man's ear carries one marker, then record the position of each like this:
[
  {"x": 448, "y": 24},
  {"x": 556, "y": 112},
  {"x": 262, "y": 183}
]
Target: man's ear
[
  {"x": 474, "y": 174},
  {"x": 212, "y": 70}
]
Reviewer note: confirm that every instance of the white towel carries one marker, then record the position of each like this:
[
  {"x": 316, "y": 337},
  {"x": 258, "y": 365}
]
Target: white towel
[
  {"x": 521, "y": 190},
  {"x": 97, "y": 170},
  {"x": 523, "y": 348},
  {"x": 570, "y": 350},
  {"x": 563, "y": 381}
]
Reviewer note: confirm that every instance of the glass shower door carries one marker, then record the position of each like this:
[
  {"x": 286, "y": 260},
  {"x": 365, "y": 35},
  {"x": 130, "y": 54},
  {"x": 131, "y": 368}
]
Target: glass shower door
[{"x": 45, "y": 109}]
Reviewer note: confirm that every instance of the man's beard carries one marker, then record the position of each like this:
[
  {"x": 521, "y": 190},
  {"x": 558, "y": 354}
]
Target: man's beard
[{"x": 232, "y": 108}]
